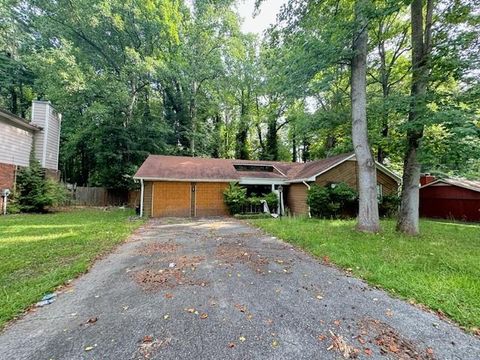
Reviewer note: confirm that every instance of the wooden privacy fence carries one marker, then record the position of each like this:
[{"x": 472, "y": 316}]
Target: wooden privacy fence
[{"x": 100, "y": 196}]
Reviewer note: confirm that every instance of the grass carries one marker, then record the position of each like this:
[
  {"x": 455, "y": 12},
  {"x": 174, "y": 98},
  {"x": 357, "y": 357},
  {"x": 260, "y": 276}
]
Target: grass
[
  {"x": 439, "y": 269},
  {"x": 40, "y": 252}
]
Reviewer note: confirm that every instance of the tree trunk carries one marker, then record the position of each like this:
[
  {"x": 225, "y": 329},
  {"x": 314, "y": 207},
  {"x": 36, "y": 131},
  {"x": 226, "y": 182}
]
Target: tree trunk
[
  {"x": 368, "y": 218},
  {"x": 193, "y": 118},
  {"x": 408, "y": 214},
  {"x": 294, "y": 145}
]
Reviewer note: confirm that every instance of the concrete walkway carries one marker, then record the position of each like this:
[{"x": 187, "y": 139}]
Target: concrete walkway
[{"x": 220, "y": 289}]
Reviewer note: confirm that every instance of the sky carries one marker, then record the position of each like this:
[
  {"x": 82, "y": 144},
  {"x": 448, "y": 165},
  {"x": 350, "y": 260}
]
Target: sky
[{"x": 267, "y": 16}]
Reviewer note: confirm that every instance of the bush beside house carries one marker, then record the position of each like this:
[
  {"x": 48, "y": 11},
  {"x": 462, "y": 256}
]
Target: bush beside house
[
  {"x": 237, "y": 201},
  {"x": 35, "y": 192}
]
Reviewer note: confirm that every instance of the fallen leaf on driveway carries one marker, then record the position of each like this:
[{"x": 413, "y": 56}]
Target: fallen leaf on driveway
[
  {"x": 147, "y": 339},
  {"x": 166, "y": 316},
  {"x": 90, "y": 348},
  {"x": 389, "y": 313},
  {"x": 190, "y": 310},
  {"x": 168, "y": 295},
  {"x": 231, "y": 344},
  {"x": 326, "y": 260},
  {"x": 241, "y": 308},
  {"x": 92, "y": 320},
  {"x": 340, "y": 345},
  {"x": 203, "y": 316},
  {"x": 368, "y": 352},
  {"x": 242, "y": 338},
  {"x": 321, "y": 337},
  {"x": 361, "y": 340},
  {"x": 274, "y": 344},
  {"x": 319, "y": 297}
]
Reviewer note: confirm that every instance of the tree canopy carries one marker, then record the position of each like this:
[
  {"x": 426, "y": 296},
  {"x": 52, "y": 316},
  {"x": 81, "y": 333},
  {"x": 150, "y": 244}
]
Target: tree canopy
[{"x": 134, "y": 78}]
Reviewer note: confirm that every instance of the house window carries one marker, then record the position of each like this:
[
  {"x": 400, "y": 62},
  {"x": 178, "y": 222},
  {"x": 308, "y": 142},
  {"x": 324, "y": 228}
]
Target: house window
[{"x": 379, "y": 191}]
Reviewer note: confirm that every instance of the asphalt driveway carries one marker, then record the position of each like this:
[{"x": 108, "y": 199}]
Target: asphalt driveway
[{"x": 220, "y": 289}]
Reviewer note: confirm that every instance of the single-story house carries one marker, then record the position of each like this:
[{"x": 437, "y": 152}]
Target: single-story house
[
  {"x": 449, "y": 198},
  {"x": 190, "y": 186}
]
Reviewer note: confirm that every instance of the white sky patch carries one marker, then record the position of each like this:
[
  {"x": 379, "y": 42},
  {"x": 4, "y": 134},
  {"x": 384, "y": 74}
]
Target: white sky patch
[{"x": 267, "y": 15}]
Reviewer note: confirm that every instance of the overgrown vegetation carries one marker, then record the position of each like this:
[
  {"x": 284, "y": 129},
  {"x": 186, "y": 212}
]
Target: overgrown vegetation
[
  {"x": 42, "y": 251},
  {"x": 36, "y": 192},
  {"x": 439, "y": 268},
  {"x": 180, "y": 79},
  {"x": 237, "y": 201},
  {"x": 332, "y": 201}
]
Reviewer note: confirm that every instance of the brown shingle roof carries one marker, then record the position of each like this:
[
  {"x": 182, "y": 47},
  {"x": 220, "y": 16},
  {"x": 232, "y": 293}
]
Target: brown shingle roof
[{"x": 159, "y": 167}]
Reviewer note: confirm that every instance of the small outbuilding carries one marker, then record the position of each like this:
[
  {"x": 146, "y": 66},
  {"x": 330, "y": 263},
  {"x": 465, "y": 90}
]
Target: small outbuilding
[
  {"x": 450, "y": 198},
  {"x": 192, "y": 186}
]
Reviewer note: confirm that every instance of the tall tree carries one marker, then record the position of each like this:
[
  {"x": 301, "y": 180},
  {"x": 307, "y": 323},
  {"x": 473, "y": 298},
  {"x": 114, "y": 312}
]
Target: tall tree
[
  {"x": 368, "y": 218},
  {"x": 421, "y": 49}
]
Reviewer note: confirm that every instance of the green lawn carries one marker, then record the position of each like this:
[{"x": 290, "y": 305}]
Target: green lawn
[
  {"x": 40, "y": 252},
  {"x": 440, "y": 268}
]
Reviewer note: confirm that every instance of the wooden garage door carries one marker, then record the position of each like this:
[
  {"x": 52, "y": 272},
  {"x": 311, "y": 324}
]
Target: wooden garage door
[
  {"x": 171, "y": 199},
  {"x": 209, "y": 199}
]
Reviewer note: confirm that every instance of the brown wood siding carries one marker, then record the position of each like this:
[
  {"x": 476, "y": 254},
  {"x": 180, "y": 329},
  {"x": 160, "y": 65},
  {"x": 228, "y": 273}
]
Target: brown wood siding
[
  {"x": 209, "y": 199},
  {"x": 345, "y": 172},
  {"x": 171, "y": 198},
  {"x": 147, "y": 198},
  {"x": 297, "y": 199},
  {"x": 390, "y": 186}
]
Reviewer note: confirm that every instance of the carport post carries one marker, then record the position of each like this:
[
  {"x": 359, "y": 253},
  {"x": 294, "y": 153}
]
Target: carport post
[{"x": 141, "y": 197}]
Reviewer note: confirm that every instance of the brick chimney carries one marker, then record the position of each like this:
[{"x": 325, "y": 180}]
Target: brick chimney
[{"x": 426, "y": 179}]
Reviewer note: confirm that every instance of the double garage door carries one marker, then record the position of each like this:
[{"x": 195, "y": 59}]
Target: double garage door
[{"x": 186, "y": 199}]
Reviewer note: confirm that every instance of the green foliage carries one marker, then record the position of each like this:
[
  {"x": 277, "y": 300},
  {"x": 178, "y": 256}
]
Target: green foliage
[
  {"x": 237, "y": 201},
  {"x": 235, "y": 198},
  {"x": 388, "y": 205},
  {"x": 332, "y": 201},
  {"x": 171, "y": 78},
  {"x": 35, "y": 192}
]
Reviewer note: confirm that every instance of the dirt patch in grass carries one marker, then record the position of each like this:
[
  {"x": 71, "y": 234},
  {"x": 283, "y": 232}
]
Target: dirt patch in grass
[
  {"x": 158, "y": 248},
  {"x": 230, "y": 254},
  {"x": 171, "y": 277},
  {"x": 391, "y": 343}
]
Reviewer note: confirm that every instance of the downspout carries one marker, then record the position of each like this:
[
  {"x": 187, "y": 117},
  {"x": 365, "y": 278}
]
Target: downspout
[
  {"x": 308, "y": 187},
  {"x": 141, "y": 197}
]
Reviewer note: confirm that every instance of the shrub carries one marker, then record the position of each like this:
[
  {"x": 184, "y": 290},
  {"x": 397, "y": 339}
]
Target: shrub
[
  {"x": 35, "y": 192},
  {"x": 318, "y": 199},
  {"x": 388, "y": 206},
  {"x": 332, "y": 201},
  {"x": 235, "y": 198}
]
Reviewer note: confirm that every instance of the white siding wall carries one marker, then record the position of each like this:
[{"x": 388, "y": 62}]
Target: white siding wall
[
  {"x": 39, "y": 111},
  {"x": 15, "y": 144},
  {"x": 47, "y": 140}
]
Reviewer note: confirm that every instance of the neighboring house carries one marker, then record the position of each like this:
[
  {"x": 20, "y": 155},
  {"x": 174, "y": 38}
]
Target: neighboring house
[
  {"x": 187, "y": 186},
  {"x": 18, "y": 138},
  {"x": 450, "y": 198}
]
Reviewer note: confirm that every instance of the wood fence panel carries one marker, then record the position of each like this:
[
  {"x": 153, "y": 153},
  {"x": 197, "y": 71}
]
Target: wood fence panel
[{"x": 100, "y": 196}]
